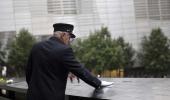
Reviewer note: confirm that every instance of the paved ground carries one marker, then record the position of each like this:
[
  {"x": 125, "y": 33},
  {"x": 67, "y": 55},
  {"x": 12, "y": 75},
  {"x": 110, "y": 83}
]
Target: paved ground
[{"x": 123, "y": 89}]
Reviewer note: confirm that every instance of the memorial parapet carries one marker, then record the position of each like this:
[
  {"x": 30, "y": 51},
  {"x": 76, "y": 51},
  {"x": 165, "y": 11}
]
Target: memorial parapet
[{"x": 123, "y": 89}]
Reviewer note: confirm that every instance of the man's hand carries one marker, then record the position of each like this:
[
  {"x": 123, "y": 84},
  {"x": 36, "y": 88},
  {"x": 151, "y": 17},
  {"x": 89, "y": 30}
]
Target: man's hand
[
  {"x": 105, "y": 83},
  {"x": 103, "y": 86}
]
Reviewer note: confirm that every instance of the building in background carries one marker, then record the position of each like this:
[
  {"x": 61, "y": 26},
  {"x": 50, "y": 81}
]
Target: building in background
[{"x": 131, "y": 19}]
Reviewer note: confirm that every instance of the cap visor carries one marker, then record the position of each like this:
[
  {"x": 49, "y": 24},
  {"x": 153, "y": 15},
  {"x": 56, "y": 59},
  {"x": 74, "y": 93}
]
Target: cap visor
[{"x": 72, "y": 35}]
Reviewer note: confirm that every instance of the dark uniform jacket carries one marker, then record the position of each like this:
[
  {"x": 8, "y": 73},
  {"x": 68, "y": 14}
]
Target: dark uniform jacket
[{"x": 47, "y": 70}]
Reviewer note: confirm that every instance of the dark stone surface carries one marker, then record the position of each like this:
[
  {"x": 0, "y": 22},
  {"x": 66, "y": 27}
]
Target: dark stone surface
[{"x": 123, "y": 89}]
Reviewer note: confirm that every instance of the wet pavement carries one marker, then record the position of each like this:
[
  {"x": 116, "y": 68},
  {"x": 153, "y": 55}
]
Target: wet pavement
[{"x": 123, "y": 89}]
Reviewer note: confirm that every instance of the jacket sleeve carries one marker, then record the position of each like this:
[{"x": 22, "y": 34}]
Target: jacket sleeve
[
  {"x": 28, "y": 69},
  {"x": 76, "y": 68}
]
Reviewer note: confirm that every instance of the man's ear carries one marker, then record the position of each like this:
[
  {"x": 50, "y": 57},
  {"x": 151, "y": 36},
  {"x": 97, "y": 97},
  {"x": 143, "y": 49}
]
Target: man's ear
[{"x": 64, "y": 34}]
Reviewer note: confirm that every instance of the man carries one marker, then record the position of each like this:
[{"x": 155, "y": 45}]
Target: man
[{"x": 49, "y": 64}]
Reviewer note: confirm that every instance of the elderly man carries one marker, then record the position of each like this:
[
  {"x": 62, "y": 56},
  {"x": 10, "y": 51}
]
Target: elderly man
[{"x": 49, "y": 64}]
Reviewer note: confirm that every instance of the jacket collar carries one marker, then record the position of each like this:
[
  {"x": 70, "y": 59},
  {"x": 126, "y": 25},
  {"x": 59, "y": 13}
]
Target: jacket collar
[{"x": 56, "y": 39}]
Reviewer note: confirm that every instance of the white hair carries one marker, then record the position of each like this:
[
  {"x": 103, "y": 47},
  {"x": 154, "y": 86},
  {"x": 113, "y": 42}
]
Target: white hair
[{"x": 58, "y": 34}]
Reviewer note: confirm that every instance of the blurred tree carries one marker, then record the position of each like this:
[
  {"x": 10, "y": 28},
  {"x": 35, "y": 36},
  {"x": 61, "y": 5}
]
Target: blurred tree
[
  {"x": 19, "y": 51},
  {"x": 99, "y": 51},
  {"x": 155, "y": 53},
  {"x": 2, "y": 56},
  {"x": 128, "y": 53}
]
